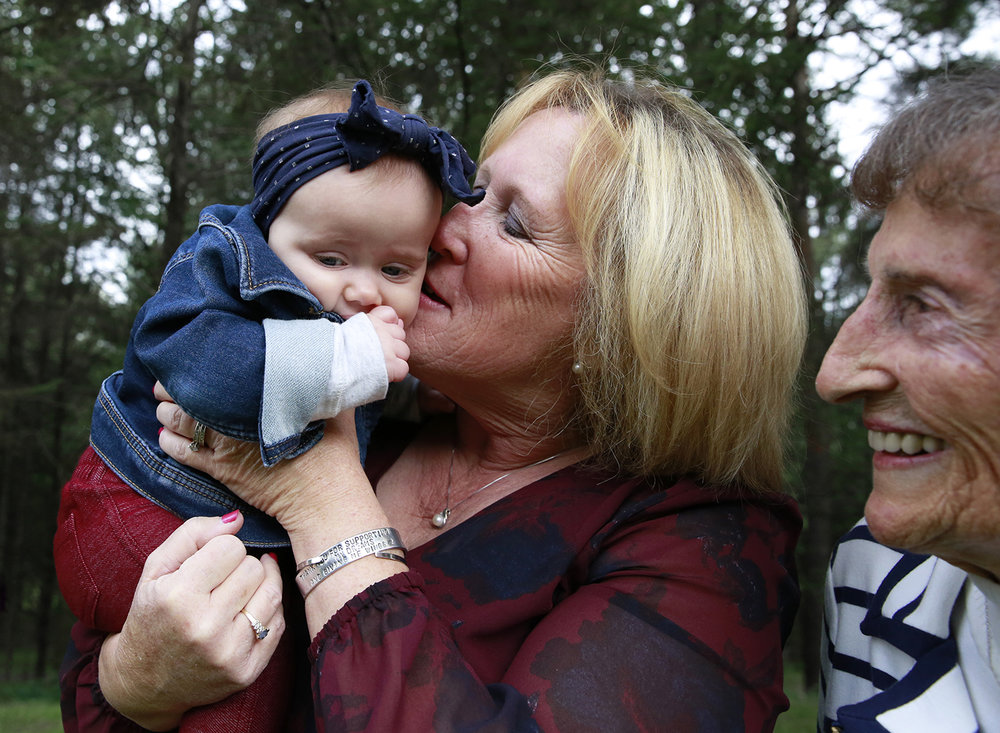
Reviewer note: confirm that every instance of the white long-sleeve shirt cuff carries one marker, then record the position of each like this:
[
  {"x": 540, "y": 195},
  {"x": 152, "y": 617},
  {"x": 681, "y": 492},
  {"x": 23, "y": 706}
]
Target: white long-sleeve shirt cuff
[{"x": 315, "y": 369}]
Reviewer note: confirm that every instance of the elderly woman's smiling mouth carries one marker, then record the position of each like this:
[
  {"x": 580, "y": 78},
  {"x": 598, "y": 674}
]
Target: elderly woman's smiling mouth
[{"x": 902, "y": 442}]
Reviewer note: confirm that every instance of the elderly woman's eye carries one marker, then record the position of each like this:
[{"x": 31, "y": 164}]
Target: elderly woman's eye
[
  {"x": 916, "y": 304},
  {"x": 512, "y": 225},
  {"x": 914, "y": 307}
]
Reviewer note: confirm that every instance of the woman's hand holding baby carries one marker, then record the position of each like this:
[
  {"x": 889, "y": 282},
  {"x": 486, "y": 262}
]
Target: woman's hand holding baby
[
  {"x": 279, "y": 490},
  {"x": 188, "y": 605}
]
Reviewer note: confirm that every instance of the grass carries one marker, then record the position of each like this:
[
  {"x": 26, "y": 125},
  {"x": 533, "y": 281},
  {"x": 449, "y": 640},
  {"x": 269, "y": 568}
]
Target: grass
[
  {"x": 30, "y": 716},
  {"x": 33, "y": 707},
  {"x": 30, "y": 707},
  {"x": 801, "y": 716}
]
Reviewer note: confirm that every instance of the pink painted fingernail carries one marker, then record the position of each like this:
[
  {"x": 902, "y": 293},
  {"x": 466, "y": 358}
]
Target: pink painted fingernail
[
  {"x": 159, "y": 431},
  {"x": 231, "y": 517},
  {"x": 273, "y": 556}
]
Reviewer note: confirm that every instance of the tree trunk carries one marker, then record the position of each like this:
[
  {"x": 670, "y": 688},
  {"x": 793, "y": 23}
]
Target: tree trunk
[
  {"x": 178, "y": 133},
  {"x": 814, "y": 547}
]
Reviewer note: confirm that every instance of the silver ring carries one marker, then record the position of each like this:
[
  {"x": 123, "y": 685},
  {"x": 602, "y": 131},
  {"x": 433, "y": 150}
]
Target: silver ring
[
  {"x": 258, "y": 628},
  {"x": 199, "y": 437}
]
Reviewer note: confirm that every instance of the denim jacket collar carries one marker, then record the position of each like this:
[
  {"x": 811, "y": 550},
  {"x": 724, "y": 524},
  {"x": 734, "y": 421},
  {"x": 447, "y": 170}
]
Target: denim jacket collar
[{"x": 261, "y": 270}]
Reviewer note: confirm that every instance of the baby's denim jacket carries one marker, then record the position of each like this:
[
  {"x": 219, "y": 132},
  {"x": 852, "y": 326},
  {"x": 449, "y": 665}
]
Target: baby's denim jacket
[{"x": 202, "y": 336}]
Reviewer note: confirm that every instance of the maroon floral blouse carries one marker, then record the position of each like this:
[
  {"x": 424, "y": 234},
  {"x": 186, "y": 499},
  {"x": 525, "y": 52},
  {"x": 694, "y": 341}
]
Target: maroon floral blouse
[{"x": 582, "y": 602}]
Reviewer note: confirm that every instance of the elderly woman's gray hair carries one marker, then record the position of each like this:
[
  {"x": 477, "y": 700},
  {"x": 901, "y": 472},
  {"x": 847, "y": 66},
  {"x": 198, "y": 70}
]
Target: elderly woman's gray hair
[{"x": 942, "y": 147}]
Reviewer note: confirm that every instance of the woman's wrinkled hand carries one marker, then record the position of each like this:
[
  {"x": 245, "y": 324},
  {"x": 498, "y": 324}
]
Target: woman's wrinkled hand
[
  {"x": 186, "y": 641},
  {"x": 235, "y": 463},
  {"x": 282, "y": 490}
]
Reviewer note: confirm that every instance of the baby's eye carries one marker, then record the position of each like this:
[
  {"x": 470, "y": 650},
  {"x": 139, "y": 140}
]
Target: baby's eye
[
  {"x": 330, "y": 260},
  {"x": 396, "y": 272}
]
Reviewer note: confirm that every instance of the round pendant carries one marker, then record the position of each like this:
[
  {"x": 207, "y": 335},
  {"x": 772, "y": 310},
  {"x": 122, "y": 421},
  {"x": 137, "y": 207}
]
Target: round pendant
[{"x": 440, "y": 519}]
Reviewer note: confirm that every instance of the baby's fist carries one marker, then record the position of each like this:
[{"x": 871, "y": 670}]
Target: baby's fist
[{"x": 389, "y": 328}]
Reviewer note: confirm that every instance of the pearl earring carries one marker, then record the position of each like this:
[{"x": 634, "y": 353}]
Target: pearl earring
[{"x": 577, "y": 367}]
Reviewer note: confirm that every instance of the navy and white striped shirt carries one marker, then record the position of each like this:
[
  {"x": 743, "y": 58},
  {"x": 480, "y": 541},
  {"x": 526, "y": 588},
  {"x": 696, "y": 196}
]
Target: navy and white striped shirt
[{"x": 908, "y": 643}]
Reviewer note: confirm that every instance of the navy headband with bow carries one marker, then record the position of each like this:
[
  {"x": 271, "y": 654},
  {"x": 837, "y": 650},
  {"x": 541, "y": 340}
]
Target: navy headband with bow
[{"x": 293, "y": 154}]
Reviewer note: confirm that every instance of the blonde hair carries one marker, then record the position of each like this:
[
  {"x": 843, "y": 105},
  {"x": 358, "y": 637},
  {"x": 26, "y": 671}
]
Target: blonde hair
[
  {"x": 692, "y": 322},
  {"x": 330, "y": 99}
]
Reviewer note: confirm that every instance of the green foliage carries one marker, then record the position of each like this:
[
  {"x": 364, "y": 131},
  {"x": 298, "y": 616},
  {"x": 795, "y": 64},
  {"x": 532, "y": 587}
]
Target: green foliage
[{"x": 57, "y": 332}]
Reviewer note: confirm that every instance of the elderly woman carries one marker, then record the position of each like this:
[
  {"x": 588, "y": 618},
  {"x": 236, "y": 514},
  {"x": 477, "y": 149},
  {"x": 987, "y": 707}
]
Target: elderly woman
[
  {"x": 910, "y": 638},
  {"x": 596, "y": 538}
]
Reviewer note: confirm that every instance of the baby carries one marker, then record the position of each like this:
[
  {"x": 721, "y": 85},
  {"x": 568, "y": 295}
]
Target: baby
[
  {"x": 271, "y": 318},
  {"x": 280, "y": 314}
]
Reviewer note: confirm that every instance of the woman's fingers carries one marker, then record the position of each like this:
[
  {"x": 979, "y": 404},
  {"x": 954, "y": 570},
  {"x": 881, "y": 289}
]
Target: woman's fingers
[
  {"x": 185, "y": 541},
  {"x": 238, "y": 464},
  {"x": 188, "y": 613},
  {"x": 182, "y": 438},
  {"x": 178, "y": 446},
  {"x": 185, "y": 432},
  {"x": 160, "y": 393},
  {"x": 272, "y": 589},
  {"x": 214, "y": 580},
  {"x": 179, "y": 440},
  {"x": 262, "y": 606},
  {"x": 174, "y": 419}
]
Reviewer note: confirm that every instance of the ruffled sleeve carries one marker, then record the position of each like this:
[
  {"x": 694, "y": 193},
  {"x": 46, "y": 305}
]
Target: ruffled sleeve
[{"x": 668, "y": 614}]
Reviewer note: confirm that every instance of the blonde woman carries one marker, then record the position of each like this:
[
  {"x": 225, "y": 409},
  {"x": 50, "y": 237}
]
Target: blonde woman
[{"x": 596, "y": 538}]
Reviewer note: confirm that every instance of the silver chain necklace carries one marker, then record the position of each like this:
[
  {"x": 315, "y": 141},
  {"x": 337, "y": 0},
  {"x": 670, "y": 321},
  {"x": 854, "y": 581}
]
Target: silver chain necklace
[{"x": 439, "y": 520}]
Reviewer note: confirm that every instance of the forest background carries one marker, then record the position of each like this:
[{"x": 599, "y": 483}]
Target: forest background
[{"x": 120, "y": 121}]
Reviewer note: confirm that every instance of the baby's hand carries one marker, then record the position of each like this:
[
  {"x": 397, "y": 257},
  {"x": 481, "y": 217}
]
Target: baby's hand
[{"x": 391, "y": 335}]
